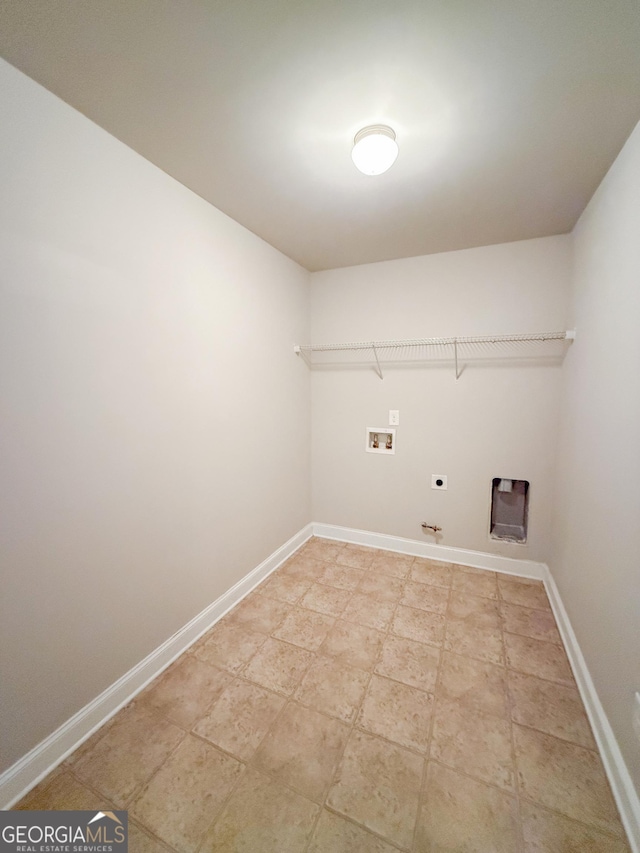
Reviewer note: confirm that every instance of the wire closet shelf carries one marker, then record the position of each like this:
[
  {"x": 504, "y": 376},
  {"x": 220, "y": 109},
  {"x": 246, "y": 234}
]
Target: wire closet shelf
[{"x": 519, "y": 346}]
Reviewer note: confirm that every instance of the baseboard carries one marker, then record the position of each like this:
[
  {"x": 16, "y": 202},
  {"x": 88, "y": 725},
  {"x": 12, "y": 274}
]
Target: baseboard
[
  {"x": 622, "y": 786},
  {"x": 477, "y": 559},
  {"x": 43, "y": 758}
]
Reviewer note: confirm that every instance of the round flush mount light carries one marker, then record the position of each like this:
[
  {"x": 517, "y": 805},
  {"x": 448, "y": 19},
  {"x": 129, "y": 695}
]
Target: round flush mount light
[{"x": 374, "y": 149}]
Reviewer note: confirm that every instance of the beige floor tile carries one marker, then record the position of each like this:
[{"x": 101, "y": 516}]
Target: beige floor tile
[
  {"x": 323, "y": 549},
  {"x": 419, "y": 625},
  {"x": 474, "y": 570},
  {"x": 475, "y": 583},
  {"x": 474, "y": 610},
  {"x": 287, "y": 588},
  {"x": 305, "y": 628},
  {"x": 396, "y": 565},
  {"x": 91, "y": 741},
  {"x": 528, "y": 622},
  {"x": 546, "y": 832},
  {"x": 302, "y": 750},
  {"x": 183, "y": 798},
  {"x": 475, "y": 684},
  {"x": 382, "y": 586},
  {"x": 378, "y": 786},
  {"x": 425, "y": 596},
  {"x": 303, "y": 565},
  {"x": 129, "y": 754},
  {"x": 240, "y": 718},
  {"x": 357, "y": 556},
  {"x": 341, "y": 577},
  {"x": 38, "y": 792},
  {"x": 354, "y": 645},
  {"x": 278, "y": 666},
  {"x": 415, "y": 664},
  {"x": 445, "y": 638},
  {"x": 460, "y": 815},
  {"x": 141, "y": 842},
  {"x": 473, "y": 743},
  {"x": 397, "y": 712},
  {"x": 432, "y": 572},
  {"x": 480, "y": 643},
  {"x": 229, "y": 646},
  {"x": 61, "y": 791},
  {"x": 325, "y": 599},
  {"x": 187, "y": 690},
  {"x": 369, "y": 610},
  {"x": 262, "y": 817},
  {"x": 524, "y": 592},
  {"x": 535, "y": 657},
  {"x": 259, "y": 613},
  {"x": 551, "y": 708},
  {"x": 333, "y": 688},
  {"x": 566, "y": 778},
  {"x": 334, "y": 834}
]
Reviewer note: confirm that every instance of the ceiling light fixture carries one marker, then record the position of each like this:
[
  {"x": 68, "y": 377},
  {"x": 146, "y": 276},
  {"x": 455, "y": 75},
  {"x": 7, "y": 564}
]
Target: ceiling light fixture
[{"x": 374, "y": 149}]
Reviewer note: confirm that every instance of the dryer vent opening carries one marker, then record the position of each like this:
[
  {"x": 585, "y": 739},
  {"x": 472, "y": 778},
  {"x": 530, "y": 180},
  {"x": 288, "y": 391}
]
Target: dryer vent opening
[{"x": 509, "y": 510}]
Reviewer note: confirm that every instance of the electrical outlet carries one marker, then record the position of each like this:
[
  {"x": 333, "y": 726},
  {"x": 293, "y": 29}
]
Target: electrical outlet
[
  {"x": 394, "y": 417},
  {"x": 636, "y": 714},
  {"x": 439, "y": 481}
]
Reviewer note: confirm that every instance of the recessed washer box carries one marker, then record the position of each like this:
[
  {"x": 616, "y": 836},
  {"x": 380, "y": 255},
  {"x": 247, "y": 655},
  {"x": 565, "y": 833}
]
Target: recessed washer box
[{"x": 380, "y": 440}]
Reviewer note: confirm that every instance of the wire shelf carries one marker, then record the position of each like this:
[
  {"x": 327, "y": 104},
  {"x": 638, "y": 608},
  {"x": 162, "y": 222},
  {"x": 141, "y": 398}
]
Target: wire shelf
[{"x": 550, "y": 345}]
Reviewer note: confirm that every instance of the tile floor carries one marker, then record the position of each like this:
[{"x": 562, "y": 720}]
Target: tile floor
[{"x": 358, "y": 702}]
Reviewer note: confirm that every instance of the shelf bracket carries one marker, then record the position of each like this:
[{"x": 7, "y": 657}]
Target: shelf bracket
[
  {"x": 299, "y": 351},
  {"x": 379, "y": 369},
  {"x": 455, "y": 355}
]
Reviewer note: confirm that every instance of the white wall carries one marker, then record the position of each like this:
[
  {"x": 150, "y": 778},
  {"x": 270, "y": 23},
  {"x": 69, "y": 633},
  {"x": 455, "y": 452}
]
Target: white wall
[
  {"x": 154, "y": 422},
  {"x": 497, "y": 420},
  {"x": 596, "y": 558}
]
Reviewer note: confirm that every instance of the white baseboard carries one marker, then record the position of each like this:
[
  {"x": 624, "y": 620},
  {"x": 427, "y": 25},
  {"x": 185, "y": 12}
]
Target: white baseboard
[
  {"x": 622, "y": 786},
  {"x": 477, "y": 559},
  {"x": 43, "y": 758}
]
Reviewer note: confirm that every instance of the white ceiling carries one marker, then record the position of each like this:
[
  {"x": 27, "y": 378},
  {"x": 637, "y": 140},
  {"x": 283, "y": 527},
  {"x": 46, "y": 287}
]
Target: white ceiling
[{"x": 507, "y": 112}]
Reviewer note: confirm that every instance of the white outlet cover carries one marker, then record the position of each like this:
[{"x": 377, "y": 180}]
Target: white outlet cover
[
  {"x": 439, "y": 482},
  {"x": 636, "y": 715},
  {"x": 394, "y": 417}
]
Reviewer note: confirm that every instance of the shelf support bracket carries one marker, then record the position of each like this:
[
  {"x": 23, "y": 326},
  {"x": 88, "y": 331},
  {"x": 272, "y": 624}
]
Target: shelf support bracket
[
  {"x": 379, "y": 369},
  {"x": 299, "y": 351},
  {"x": 455, "y": 355}
]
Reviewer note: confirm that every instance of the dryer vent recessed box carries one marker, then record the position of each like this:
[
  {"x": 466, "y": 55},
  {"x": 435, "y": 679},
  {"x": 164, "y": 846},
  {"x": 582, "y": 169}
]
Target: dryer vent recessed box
[{"x": 509, "y": 510}]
